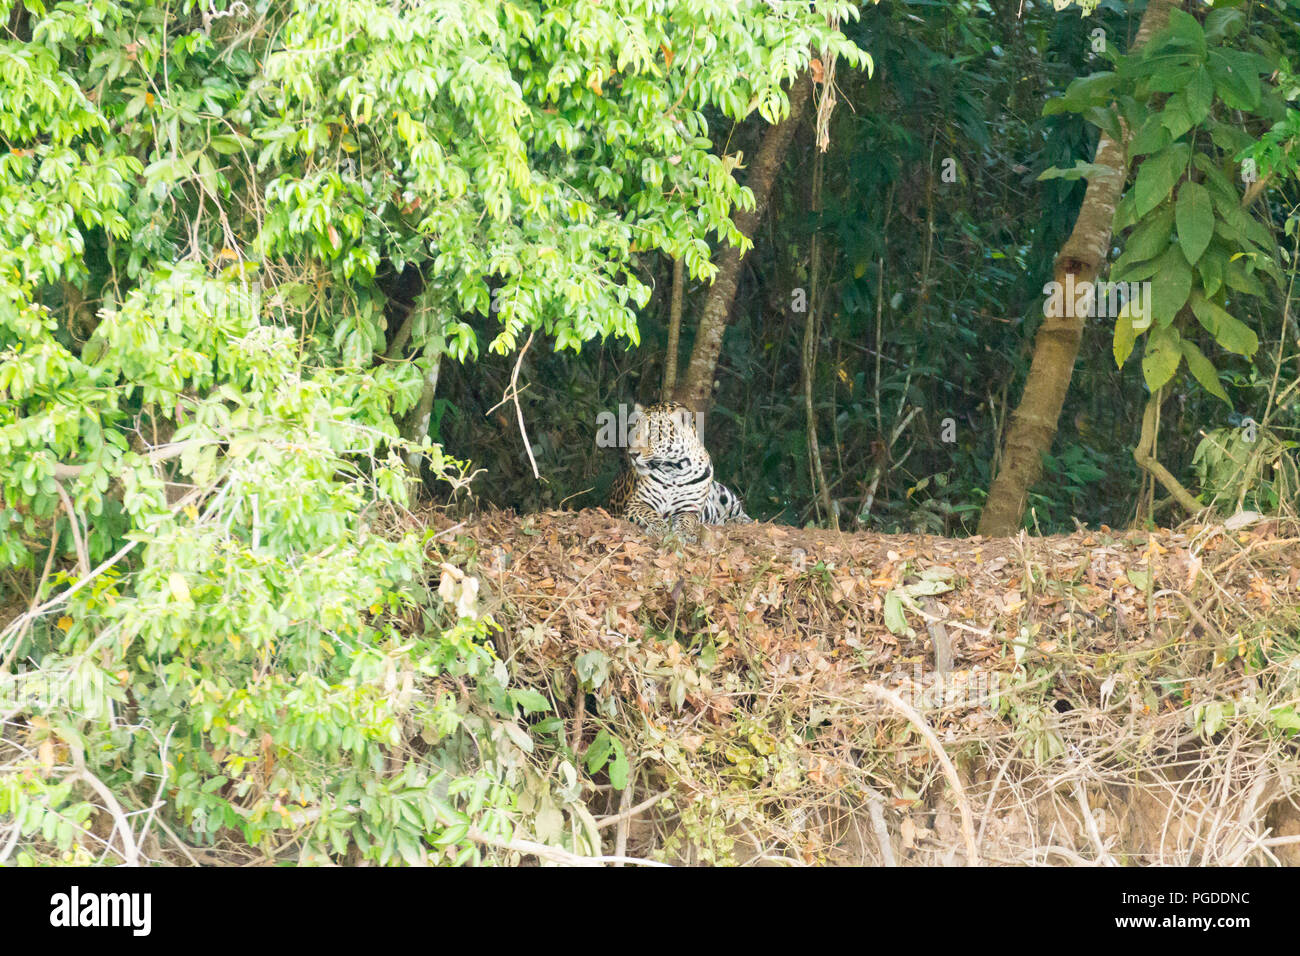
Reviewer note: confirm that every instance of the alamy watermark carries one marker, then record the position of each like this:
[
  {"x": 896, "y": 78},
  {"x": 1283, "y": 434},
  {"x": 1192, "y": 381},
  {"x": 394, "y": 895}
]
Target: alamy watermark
[
  {"x": 960, "y": 690},
  {"x": 1099, "y": 299},
  {"x": 615, "y": 428},
  {"x": 77, "y": 909}
]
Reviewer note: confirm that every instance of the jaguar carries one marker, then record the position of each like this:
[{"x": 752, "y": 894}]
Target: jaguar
[{"x": 668, "y": 484}]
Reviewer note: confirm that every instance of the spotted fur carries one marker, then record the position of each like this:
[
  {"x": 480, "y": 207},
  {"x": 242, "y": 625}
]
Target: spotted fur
[{"x": 668, "y": 484}]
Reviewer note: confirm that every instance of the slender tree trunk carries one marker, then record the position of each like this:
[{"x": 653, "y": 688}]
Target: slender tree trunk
[
  {"x": 695, "y": 389},
  {"x": 1056, "y": 346},
  {"x": 674, "y": 331},
  {"x": 416, "y": 426},
  {"x": 808, "y": 366}
]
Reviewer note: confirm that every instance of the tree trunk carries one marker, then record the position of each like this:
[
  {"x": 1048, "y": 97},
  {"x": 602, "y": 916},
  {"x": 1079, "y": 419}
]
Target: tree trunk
[
  {"x": 674, "y": 331},
  {"x": 695, "y": 390},
  {"x": 808, "y": 367},
  {"x": 416, "y": 426},
  {"x": 1056, "y": 346}
]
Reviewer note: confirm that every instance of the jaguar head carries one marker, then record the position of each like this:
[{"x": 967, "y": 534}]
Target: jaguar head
[{"x": 661, "y": 433}]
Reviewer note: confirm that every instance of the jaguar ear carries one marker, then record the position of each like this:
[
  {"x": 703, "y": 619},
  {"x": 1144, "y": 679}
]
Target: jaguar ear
[
  {"x": 637, "y": 409},
  {"x": 685, "y": 417}
]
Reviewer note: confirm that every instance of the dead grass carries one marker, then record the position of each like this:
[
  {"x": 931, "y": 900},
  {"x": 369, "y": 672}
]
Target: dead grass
[{"x": 1111, "y": 698}]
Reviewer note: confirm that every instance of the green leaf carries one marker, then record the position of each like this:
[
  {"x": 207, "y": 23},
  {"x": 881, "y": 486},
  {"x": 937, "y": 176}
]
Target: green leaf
[
  {"x": 1236, "y": 78},
  {"x": 1199, "y": 96},
  {"x": 1125, "y": 213},
  {"x": 1215, "y": 178},
  {"x": 1172, "y": 75},
  {"x": 1231, "y": 333},
  {"x": 1153, "y": 136},
  {"x": 1127, "y": 269},
  {"x": 1194, "y": 215},
  {"x": 1210, "y": 266},
  {"x": 1125, "y": 337},
  {"x": 599, "y": 750},
  {"x": 618, "y": 767},
  {"x": 1105, "y": 119},
  {"x": 1170, "y": 285},
  {"x": 1080, "y": 170},
  {"x": 1286, "y": 718},
  {"x": 1162, "y": 357},
  {"x": 1176, "y": 117},
  {"x": 1237, "y": 276},
  {"x": 453, "y": 834},
  {"x": 1157, "y": 176},
  {"x": 1203, "y": 370},
  {"x": 1151, "y": 237},
  {"x": 895, "y": 620},
  {"x": 1222, "y": 23},
  {"x": 1082, "y": 93},
  {"x": 1183, "y": 32},
  {"x": 530, "y": 700}
]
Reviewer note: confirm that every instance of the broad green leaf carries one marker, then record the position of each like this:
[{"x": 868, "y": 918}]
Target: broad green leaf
[
  {"x": 618, "y": 767},
  {"x": 1184, "y": 31},
  {"x": 1286, "y": 718},
  {"x": 1157, "y": 175},
  {"x": 1236, "y": 78},
  {"x": 1151, "y": 236},
  {"x": 1125, "y": 213},
  {"x": 1237, "y": 276},
  {"x": 599, "y": 750},
  {"x": 1127, "y": 269},
  {"x": 1222, "y": 23},
  {"x": 1194, "y": 215},
  {"x": 1210, "y": 267},
  {"x": 1106, "y": 119},
  {"x": 1170, "y": 285},
  {"x": 1162, "y": 357},
  {"x": 1176, "y": 117},
  {"x": 1125, "y": 337},
  {"x": 1080, "y": 170},
  {"x": 895, "y": 619},
  {"x": 1082, "y": 93},
  {"x": 1153, "y": 136},
  {"x": 1215, "y": 179},
  {"x": 530, "y": 701},
  {"x": 1199, "y": 96},
  {"x": 1203, "y": 370},
  {"x": 1233, "y": 334}
]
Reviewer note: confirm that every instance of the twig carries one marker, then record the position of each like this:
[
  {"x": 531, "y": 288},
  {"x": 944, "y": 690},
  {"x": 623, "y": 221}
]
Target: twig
[
  {"x": 12, "y": 841},
  {"x": 579, "y": 713},
  {"x": 627, "y": 814},
  {"x": 875, "y": 808},
  {"x": 178, "y": 841},
  {"x": 513, "y": 393},
  {"x": 130, "y": 855},
  {"x": 1081, "y": 795},
  {"x": 83, "y": 558},
  {"x": 949, "y": 771},
  {"x": 553, "y": 853},
  {"x": 620, "y": 836},
  {"x": 162, "y": 784}
]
